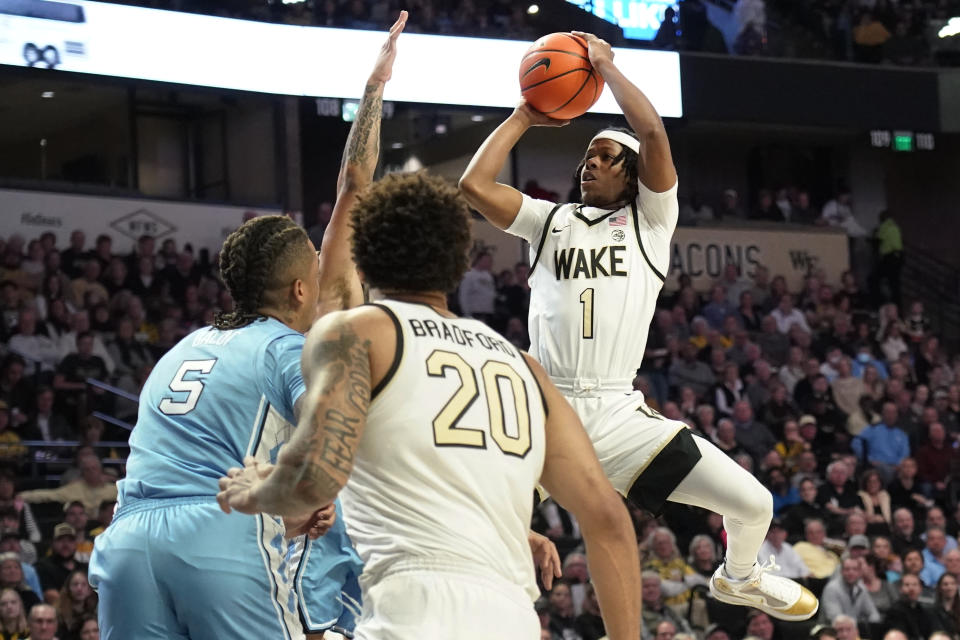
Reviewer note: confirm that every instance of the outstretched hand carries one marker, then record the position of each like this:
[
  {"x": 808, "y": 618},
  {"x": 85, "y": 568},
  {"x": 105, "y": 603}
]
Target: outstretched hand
[
  {"x": 383, "y": 68},
  {"x": 598, "y": 50},
  {"x": 534, "y": 118},
  {"x": 237, "y": 489}
]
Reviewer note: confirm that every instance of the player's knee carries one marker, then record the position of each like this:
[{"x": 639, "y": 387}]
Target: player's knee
[
  {"x": 754, "y": 503},
  {"x": 759, "y": 507}
]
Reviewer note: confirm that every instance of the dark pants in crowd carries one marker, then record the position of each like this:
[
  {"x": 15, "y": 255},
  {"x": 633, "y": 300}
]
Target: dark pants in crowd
[{"x": 888, "y": 277}]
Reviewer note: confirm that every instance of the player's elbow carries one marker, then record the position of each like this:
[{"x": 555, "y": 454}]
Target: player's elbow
[
  {"x": 605, "y": 515},
  {"x": 650, "y": 129},
  {"x": 469, "y": 189},
  {"x": 477, "y": 191}
]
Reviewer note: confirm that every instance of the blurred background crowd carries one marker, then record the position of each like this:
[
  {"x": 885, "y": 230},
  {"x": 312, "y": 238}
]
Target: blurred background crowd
[
  {"x": 841, "y": 393},
  {"x": 901, "y": 32},
  {"x": 839, "y": 396}
]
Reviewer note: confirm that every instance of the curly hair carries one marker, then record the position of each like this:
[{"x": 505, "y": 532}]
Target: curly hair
[
  {"x": 253, "y": 261},
  {"x": 411, "y": 232},
  {"x": 631, "y": 167}
]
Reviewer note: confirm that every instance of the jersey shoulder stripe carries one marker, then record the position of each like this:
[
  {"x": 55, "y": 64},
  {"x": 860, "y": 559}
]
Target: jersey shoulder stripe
[
  {"x": 636, "y": 228},
  {"x": 397, "y": 355},
  {"x": 543, "y": 396},
  {"x": 543, "y": 237}
]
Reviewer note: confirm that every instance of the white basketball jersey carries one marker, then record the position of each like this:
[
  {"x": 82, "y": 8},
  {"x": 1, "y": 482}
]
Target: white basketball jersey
[
  {"x": 595, "y": 277},
  {"x": 451, "y": 453}
]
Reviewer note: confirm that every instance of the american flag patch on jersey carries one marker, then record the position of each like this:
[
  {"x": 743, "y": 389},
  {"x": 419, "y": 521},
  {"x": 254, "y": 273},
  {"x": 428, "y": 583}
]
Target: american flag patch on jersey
[{"x": 618, "y": 221}]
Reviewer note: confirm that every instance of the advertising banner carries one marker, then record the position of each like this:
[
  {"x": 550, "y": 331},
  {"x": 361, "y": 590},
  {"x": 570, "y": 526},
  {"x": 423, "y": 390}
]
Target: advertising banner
[
  {"x": 31, "y": 213},
  {"x": 183, "y": 48},
  {"x": 791, "y": 252}
]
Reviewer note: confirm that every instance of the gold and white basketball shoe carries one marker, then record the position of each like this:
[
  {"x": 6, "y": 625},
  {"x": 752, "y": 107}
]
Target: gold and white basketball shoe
[{"x": 775, "y": 595}]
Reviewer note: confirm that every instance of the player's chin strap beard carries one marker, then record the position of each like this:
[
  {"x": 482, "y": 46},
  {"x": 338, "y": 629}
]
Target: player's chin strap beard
[{"x": 622, "y": 201}]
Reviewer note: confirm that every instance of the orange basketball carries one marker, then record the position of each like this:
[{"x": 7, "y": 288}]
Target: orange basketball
[{"x": 556, "y": 76}]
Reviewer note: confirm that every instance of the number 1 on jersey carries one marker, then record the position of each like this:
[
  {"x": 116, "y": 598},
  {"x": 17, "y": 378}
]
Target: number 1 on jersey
[{"x": 586, "y": 299}]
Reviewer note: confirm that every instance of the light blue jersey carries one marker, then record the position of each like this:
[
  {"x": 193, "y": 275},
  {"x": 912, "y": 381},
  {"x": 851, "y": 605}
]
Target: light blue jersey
[
  {"x": 214, "y": 398},
  {"x": 172, "y": 565}
]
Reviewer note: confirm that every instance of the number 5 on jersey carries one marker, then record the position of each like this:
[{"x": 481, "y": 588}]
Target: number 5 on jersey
[
  {"x": 193, "y": 388},
  {"x": 446, "y": 433}
]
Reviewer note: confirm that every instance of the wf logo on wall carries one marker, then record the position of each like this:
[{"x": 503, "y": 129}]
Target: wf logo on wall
[
  {"x": 803, "y": 260},
  {"x": 143, "y": 222},
  {"x": 702, "y": 253}
]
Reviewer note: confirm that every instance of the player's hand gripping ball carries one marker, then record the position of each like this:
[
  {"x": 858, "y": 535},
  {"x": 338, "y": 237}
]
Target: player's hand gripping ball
[{"x": 556, "y": 76}]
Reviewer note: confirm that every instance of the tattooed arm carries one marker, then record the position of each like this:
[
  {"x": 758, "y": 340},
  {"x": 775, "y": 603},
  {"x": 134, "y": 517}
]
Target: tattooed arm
[
  {"x": 339, "y": 283},
  {"x": 315, "y": 464}
]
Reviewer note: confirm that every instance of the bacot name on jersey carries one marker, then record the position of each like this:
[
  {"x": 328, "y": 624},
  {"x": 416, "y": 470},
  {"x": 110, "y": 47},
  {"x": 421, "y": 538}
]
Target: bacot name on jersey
[
  {"x": 595, "y": 264},
  {"x": 214, "y": 338}
]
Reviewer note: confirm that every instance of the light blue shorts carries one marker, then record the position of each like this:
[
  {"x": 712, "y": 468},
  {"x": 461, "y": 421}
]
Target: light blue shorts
[
  {"x": 181, "y": 568},
  {"x": 326, "y": 581}
]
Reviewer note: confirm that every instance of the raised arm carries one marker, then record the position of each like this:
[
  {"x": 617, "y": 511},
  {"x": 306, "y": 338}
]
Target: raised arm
[
  {"x": 339, "y": 283},
  {"x": 499, "y": 203},
  {"x": 315, "y": 464},
  {"x": 656, "y": 169},
  {"x": 573, "y": 476},
  {"x": 60, "y": 494}
]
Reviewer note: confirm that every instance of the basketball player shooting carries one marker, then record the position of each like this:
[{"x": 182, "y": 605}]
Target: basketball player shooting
[{"x": 596, "y": 270}]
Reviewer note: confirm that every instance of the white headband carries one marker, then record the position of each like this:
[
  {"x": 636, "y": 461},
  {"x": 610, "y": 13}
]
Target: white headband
[{"x": 619, "y": 136}]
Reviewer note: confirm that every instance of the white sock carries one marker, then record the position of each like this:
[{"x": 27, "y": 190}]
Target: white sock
[
  {"x": 726, "y": 571},
  {"x": 719, "y": 484}
]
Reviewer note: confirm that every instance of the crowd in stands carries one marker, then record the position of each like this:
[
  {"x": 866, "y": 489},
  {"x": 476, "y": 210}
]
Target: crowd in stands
[
  {"x": 480, "y": 18},
  {"x": 847, "y": 407},
  {"x": 844, "y": 404},
  {"x": 876, "y": 254},
  {"x": 69, "y": 315},
  {"x": 787, "y": 204},
  {"x": 871, "y": 31},
  {"x": 901, "y": 32}
]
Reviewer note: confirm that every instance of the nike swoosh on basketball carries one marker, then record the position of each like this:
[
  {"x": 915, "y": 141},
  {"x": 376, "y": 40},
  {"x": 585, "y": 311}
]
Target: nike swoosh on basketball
[{"x": 542, "y": 62}]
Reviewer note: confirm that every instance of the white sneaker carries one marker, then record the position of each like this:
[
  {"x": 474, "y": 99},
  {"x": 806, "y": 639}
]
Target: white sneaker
[{"x": 775, "y": 595}]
